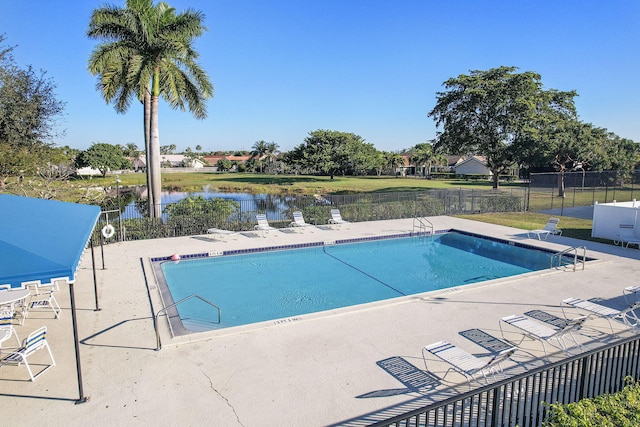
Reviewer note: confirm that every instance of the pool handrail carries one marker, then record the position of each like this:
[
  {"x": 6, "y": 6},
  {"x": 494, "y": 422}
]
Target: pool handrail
[{"x": 155, "y": 323}]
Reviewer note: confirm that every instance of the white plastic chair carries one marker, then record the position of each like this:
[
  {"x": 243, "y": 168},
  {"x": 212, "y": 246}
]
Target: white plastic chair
[
  {"x": 263, "y": 224},
  {"x": 539, "y": 332},
  {"x": 549, "y": 229},
  {"x": 34, "y": 342},
  {"x": 465, "y": 363},
  {"x": 627, "y": 316},
  {"x": 336, "y": 217},
  {"x": 298, "y": 220},
  {"x": 42, "y": 297},
  {"x": 627, "y": 236},
  {"x": 6, "y": 324}
]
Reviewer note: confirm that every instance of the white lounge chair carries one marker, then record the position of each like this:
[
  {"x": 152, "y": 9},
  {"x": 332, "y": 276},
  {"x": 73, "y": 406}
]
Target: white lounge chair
[
  {"x": 298, "y": 220},
  {"x": 549, "y": 229},
  {"x": 263, "y": 224},
  {"x": 627, "y": 236},
  {"x": 631, "y": 294},
  {"x": 627, "y": 316},
  {"x": 336, "y": 217},
  {"x": 222, "y": 233},
  {"x": 6, "y": 324},
  {"x": 34, "y": 342},
  {"x": 465, "y": 363},
  {"x": 539, "y": 332}
]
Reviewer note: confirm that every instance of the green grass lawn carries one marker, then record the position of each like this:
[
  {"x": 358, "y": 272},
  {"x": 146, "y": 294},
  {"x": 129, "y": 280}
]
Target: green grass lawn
[
  {"x": 283, "y": 184},
  {"x": 571, "y": 227}
]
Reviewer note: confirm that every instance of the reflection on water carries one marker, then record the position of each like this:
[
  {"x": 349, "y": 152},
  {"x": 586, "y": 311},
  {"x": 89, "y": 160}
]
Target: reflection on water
[{"x": 270, "y": 203}]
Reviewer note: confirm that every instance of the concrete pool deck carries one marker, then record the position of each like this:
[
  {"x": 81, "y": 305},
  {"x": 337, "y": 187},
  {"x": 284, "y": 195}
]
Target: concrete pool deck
[{"x": 335, "y": 368}]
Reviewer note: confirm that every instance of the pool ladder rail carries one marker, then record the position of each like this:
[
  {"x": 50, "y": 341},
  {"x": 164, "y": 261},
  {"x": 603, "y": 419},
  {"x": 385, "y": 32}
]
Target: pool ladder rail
[
  {"x": 561, "y": 254},
  {"x": 155, "y": 323},
  {"x": 423, "y": 226}
]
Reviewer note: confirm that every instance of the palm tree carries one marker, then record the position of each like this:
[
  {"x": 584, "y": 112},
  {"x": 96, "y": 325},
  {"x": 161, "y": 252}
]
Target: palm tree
[
  {"x": 272, "y": 154},
  {"x": 258, "y": 150},
  {"x": 423, "y": 155},
  {"x": 146, "y": 53},
  {"x": 393, "y": 161}
]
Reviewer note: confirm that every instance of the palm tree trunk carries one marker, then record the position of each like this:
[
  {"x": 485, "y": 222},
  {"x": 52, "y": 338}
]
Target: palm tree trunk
[
  {"x": 147, "y": 150},
  {"x": 154, "y": 148}
]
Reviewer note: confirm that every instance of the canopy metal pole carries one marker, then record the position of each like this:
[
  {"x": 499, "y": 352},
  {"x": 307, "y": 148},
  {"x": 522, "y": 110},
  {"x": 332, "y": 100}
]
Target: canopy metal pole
[
  {"x": 95, "y": 280},
  {"x": 101, "y": 248},
  {"x": 82, "y": 398}
]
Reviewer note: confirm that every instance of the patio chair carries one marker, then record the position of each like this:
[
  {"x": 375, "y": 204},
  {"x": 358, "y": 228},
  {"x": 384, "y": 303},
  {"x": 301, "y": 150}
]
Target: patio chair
[
  {"x": 34, "y": 342},
  {"x": 466, "y": 363},
  {"x": 627, "y": 316},
  {"x": 540, "y": 332},
  {"x": 42, "y": 297},
  {"x": 56, "y": 282},
  {"x": 6, "y": 324},
  {"x": 549, "y": 230},
  {"x": 298, "y": 220},
  {"x": 336, "y": 217},
  {"x": 627, "y": 236},
  {"x": 263, "y": 224}
]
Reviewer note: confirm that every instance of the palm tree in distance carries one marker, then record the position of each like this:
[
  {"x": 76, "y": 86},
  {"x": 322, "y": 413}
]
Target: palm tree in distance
[
  {"x": 146, "y": 53},
  {"x": 258, "y": 150}
]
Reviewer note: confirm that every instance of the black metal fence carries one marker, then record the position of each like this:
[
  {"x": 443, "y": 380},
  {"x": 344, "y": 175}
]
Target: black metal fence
[
  {"x": 196, "y": 217},
  {"x": 555, "y": 190},
  {"x": 523, "y": 400}
]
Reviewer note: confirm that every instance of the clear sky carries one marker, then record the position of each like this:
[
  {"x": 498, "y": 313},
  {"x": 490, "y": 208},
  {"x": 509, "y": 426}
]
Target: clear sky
[{"x": 284, "y": 68}]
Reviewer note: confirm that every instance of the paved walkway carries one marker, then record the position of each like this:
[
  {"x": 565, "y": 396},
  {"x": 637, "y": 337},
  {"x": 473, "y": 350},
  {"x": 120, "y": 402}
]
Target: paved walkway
[{"x": 336, "y": 368}]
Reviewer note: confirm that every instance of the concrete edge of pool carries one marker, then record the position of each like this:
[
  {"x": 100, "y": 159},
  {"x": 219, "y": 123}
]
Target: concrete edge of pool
[{"x": 180, "y": 334}]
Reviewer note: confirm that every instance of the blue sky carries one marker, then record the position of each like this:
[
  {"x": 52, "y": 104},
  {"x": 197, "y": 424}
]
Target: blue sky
[{"x": 282, "y": 69}]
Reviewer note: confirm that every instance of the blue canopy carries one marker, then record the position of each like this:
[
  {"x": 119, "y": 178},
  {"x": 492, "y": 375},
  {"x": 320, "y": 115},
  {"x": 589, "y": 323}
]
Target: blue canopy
[{"x": 42, "y": 239}]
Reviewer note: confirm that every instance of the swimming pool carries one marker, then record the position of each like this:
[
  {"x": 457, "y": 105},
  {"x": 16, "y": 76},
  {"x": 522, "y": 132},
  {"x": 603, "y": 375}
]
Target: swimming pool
[{"x": 286, "y": 284}]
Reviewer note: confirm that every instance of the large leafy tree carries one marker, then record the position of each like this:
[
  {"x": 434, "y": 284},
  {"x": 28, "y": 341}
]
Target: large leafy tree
[
  {"x": 147, "y": 53},
  {"x": 29, "y": 114},
  {"x": 329, "y": 152},
  {"x": 103, "y": 157},
  {"x": 490, "y": 112}
]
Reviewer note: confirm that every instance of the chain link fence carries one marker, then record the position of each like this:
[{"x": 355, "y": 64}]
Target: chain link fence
[
  {"x": 196, "y": 217},
  {"x": 570, "y": 189}
]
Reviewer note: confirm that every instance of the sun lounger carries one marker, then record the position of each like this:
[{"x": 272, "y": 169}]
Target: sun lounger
[
  {"x": 627, "y": 316},
  {"x": 549, "y": 229},
  {"x": 627, "y": 236},
  {"x": 222, "y": 233},
  {"x": 540, "y": 332},
  {"x": 263, "y": 224},
  {"x": 336, "y": 217},
  {"x": 631, "y": 294},
  {"x": 465, "y": 363},
  {"x": 298, "y": 220}
]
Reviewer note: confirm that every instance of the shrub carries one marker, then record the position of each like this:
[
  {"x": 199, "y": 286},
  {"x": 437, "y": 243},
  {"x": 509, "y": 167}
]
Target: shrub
[{"x": 620, "y": 409}]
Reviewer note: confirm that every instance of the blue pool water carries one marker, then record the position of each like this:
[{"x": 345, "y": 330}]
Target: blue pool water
[{"x": 272, "y": 285}]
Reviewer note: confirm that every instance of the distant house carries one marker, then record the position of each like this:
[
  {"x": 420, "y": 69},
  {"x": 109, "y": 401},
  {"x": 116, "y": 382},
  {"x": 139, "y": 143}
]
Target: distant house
[
  {"x": 139, "y": 164},
  {"x": 213, "y": 160},
  {"x": 472, "y": 165},
  {"x": 180, "y": 161}
]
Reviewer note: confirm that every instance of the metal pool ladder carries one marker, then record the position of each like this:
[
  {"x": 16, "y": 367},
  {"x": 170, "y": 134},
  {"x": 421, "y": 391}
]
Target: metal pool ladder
[
  {"x": 155, "y": 323},
  {"x": 561, "y": 254},
  {"x": 423, "y": 225}
]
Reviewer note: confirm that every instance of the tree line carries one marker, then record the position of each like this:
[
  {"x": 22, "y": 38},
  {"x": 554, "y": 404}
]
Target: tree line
[{"x": 146, "y": 52}]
